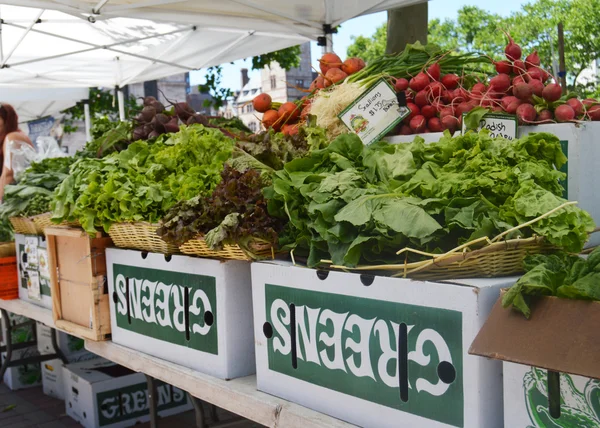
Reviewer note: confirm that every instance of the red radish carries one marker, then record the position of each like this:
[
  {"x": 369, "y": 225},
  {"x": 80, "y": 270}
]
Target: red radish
[
  {"x": 450, "y": 123},
  {"x": 414, "y": 110},
  {"x": 504, "y": 67},
  {"x": 450, "y": 81},
  {"x": 435, "y": 89},
  {"x": 271, "y": 120},
  {"x": 517, "y": 80},
  {"x": 405, "y": 130},
  {"x": 290, "y": 129},
  {"x": 352, "y": 65},
  {"x": 305, "y": 112},
  {"x": 419, "y": 82},
  {"x": 564, "y": 113},
  {"x": 594, "y": 112},
  {"x": 497, "y": 109},
  {"x": 533, "y": 59},
  {"x": 446, "y": 111},
  {"x": 418, "y": 124},
  {"x": 534, "y": 73},
  {"x": 462, "y": 93},
  {"x": 401, "y": 84},
  {"x": 434, "y": 71},
  {"x": 428, "y": 112},
  {"x": 545, "y": 116},
  {"x": 512, "y": 50},
  {"x": 576, "y": 105},
  {"x": 519, "y": 67},
  {"x": 463, "y": 107},
  {"x": 437, "y": 105},
  {"x": 288, "y": 112},
  {"x": 537, "y": 87},
  {"x": 329, "y": 60},
  {"x": 262, "y": 103},
  {"x": 526, "y": 113},
  {"x": 522, "y": 91},
  {"x": 500, "y": 83},
  {"x": 320, "y": 82},
  {"x": 545, "y": 75},
  {"x": 447, "y": 96},
  {"x": 313, "y": 86},
  {"x": 552, "y": 92},
  {"x": 506, "y": 101},
  {"x": 334, "y": 75},
  {"x": 588, "y": 102},
  {"x": 513, "y": 107},
  {"x": 478, "y": 88},
  {"x": 435, "y": 125},
  {"x": 421, "y": 98}
]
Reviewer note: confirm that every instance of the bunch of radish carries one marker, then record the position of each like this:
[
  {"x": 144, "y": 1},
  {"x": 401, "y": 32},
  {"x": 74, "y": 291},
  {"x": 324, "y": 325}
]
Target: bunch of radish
[
  {"x": 155, "y": 119},
  {"x": 286, "y": 117}
]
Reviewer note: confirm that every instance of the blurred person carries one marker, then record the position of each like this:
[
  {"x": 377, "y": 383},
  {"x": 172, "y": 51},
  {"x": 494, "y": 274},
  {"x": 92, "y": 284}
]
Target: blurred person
[{"x": 9, "y": 131}]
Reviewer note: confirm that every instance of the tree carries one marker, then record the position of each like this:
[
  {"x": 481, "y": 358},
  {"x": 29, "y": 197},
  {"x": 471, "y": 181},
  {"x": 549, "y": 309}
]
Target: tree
[
  {"x": 102, "y": 103},
  {"x": 533, "y": 27}
]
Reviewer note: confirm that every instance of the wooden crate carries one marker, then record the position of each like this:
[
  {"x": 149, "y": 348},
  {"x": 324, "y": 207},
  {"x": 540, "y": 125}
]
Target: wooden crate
[{"x": 78, "y": 282}]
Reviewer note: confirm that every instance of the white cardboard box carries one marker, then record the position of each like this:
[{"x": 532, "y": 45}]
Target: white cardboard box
[
  {"x": 53, "y": 374},
  {"x": 24, "y": 265},
  {"x": 581, "y": 145},
  {"x": 99, "y": 393},
  {"x": 526, "y": 399},
  {"x": 217, "y": 337},
  {"x": 69, "y": 345},
  {"x": 22, "y": 377},
  {"x": 347, "y": 353}
]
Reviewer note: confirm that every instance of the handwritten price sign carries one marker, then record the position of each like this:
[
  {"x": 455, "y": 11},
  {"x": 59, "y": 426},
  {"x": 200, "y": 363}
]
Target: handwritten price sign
[
  {"x": 499, "y": 125},
  {"x": 375, "y": 113}
]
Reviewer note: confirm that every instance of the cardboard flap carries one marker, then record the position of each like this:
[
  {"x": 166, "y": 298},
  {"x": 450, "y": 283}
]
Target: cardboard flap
[{"x": 562, "y": 335}]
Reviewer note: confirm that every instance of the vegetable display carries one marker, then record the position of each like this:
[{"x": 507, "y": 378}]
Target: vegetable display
[
  {"x": 235, "y": 213},
  {"x": 560, "y": 275},
  {"x": 353, "y": 204},
  {"x": 144, "y": 181}
]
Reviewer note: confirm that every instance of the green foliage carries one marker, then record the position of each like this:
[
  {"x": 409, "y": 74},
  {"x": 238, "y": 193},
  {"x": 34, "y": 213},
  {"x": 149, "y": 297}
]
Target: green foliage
[
  {"x": 287, "y": 58},
  {"x": 109, "y": 137},
  {"x": 144, "y": 181},
  {"x": 102, "y": 104},
  {"x": 354, "y": 204},
  {"x": 561, "y": 275},
  {"x": 33, "y": 193},
  {"x": 369, "y": 48}
]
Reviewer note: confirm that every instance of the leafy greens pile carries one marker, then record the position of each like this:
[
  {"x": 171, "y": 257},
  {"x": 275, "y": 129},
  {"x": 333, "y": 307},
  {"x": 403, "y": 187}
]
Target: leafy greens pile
[
  {"x": 144, "y": 181},
  {"x": 235, "y": 213},
  {"x": 560, "y": 275},
  {"x": 32, "y": 195},
  {"x": 354, "y": 204}
]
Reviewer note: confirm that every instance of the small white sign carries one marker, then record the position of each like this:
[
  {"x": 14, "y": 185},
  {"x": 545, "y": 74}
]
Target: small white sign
[
  {"x": 375, "y": 113},
  {"x": 31, "y": 249},
  {"x": 33, "y": 285},
  {"x": 42, "y": 256},
  {"x": 499, "y": 125}
]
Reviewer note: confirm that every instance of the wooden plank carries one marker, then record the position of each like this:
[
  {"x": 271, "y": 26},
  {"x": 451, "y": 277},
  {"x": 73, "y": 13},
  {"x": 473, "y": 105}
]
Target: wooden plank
[
  {"x": 52, "y": 267},
  {"x": 29, "y": 310},
  {"x": 65, "y": 231},
  {"x": 79, "y": 331},
  {"x": 238, "y": 395}
]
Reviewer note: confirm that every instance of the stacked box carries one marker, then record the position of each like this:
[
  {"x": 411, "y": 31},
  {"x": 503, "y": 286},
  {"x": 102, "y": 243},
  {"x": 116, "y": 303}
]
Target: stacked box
[
  {"x": 34, "y": 275},
  {"x": 99, "y": 393},
  {"x": 22, "y": 376}
]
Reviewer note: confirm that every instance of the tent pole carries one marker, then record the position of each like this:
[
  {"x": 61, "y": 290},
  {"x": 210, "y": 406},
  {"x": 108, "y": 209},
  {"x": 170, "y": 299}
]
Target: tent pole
[
  {"x": 88, "y": 120},
  {"x": 1, "y": 43},
  {"x": 121, "y": 101},
  {"x": 12, "y": 51}
]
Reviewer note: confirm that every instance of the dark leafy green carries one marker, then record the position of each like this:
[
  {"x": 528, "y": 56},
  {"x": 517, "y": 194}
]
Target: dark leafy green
[
  {"x": 560, "y": 275},
  {"x": 354, "y": 204}
]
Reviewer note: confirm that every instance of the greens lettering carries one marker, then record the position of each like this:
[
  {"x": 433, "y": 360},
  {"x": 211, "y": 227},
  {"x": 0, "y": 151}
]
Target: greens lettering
[{"x": 133, "y": 401}]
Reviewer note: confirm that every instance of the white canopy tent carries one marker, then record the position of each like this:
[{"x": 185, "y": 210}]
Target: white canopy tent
[{"x": 36, "y": 103}]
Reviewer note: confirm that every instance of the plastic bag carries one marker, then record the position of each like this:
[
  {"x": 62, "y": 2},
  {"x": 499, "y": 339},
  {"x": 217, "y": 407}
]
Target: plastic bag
[{"x": 20, "y": 154}]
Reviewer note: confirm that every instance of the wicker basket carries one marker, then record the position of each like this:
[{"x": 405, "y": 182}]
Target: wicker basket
[
  {"x": 199, "y": 247},
  {"x": 140, "y": 236},
  {"x": 42, "y": 221},
  {"x": 23, "y": 225}
]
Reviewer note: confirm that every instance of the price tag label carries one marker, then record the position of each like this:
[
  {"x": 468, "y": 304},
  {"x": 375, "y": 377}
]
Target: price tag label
[
  {"x": 375, "y": 113},
  {"x": 499, "y": 125},
  {"x": 33, "y": 285}
]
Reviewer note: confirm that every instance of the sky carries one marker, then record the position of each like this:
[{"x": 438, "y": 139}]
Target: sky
[{"x": 364, "y": 26}]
